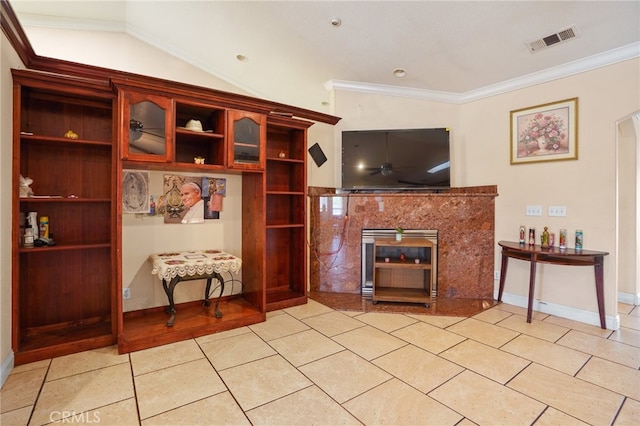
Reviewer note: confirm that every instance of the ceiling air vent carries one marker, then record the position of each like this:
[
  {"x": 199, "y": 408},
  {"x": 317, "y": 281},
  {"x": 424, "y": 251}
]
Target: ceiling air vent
[{"x": 553, "y": 39}]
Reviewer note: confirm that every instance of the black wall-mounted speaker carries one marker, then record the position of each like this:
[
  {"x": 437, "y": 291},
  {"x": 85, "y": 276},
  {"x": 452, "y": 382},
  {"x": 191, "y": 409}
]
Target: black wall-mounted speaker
[{"x": 317, "y": 154}]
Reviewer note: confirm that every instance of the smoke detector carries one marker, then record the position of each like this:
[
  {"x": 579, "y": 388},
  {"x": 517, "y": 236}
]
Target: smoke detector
[{"x": 553, "y": 39}]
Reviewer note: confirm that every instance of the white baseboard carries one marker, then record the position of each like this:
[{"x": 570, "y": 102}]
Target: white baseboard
[
  {"x": 575, "y": 314},
  {"x": 629, "y": 298},
  {"x": 5, "y": 368}
]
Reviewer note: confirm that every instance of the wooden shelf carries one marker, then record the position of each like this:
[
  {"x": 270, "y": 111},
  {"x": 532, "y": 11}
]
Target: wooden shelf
[{"x": 396, "y": 275}]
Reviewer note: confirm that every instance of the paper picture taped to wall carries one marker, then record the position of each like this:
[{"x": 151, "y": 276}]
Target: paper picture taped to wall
[
  {"x": 135, "y": 191},
  {"x": 317, "y": 154},
  {"x": 213, "y": 191}
]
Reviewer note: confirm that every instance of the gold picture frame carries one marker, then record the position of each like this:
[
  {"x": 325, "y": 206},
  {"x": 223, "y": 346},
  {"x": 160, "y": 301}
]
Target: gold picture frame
[{"x": 547, "y": 132}]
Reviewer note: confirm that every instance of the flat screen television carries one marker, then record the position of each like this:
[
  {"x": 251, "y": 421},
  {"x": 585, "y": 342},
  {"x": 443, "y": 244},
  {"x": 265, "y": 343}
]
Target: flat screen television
[{"x": 399, "y": 159}]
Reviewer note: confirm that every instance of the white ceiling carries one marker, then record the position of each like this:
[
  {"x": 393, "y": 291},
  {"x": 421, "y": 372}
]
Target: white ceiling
[{"x": 451, "y": 50}]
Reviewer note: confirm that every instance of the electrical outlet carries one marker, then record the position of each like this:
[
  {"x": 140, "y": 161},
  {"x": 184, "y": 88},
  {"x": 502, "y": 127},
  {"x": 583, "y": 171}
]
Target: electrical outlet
[
  {"x": 534, "y": 210},
  {"x": 557, "y": 210},
  {"x": 496, "y": 275},
  {"x": 126, "y": 293}
]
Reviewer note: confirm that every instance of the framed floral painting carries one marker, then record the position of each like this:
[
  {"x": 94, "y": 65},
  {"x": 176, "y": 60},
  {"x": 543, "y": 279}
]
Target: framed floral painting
[{"x": 547, "y": 132}]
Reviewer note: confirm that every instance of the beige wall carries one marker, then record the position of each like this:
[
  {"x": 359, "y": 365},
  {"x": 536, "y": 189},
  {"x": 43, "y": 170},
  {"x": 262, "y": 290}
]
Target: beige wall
[
  {"x": 8, "y": 59},
  {"x": 480, "y": 155}
]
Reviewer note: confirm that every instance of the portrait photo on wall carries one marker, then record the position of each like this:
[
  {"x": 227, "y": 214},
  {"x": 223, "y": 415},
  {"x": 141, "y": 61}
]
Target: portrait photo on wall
[{"x": 187, "y": 201}]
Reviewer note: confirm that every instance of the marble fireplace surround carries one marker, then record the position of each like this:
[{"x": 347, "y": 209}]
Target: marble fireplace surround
[{"x": 464, "y": 218}]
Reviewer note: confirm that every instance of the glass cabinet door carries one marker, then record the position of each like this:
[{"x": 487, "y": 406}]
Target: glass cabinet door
[
  {"x": 247, "y": 134},
  {"x": 146, "y": 127}
]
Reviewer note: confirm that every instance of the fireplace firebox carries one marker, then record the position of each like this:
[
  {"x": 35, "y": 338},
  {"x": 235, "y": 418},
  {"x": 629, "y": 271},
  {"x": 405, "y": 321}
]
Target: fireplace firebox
[{"x": 368, "y": 256}]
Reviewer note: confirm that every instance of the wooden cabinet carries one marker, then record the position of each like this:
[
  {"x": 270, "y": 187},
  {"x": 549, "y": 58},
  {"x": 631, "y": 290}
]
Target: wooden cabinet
[
  {"x": 146, "y": 128},
  {"x": 286, "y": 192},
  {"x": 67, "y": 297},
  {"x": 63, "y": 295},
  {"x": 403, "y": 270},
  {"x": 246, "y": 136}
]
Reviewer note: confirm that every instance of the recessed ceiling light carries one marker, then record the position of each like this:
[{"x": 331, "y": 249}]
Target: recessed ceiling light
[
  {"x": 242, "y": 58},
  {"x": 399, "y": 72},
  {"x": 335, "y": 22}
]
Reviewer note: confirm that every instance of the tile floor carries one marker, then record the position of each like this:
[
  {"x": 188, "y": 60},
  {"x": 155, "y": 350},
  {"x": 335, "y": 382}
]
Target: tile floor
[{"x": 314, "y": 365}]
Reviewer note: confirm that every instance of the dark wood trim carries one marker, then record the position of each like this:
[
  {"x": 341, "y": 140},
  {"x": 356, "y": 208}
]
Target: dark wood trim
[
  {"x": 18, "y": 39},
  {"x": 13, "y": 31}
]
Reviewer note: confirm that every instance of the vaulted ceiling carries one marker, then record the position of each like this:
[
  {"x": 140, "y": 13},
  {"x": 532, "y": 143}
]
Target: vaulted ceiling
[{"x": 292, "y": 51}]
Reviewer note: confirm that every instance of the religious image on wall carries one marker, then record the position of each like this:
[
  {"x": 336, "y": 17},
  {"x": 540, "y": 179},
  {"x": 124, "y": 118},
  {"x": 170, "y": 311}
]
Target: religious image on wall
[
  {"x": 186, "y": 201},
  {"x": 135, "y": 191}
]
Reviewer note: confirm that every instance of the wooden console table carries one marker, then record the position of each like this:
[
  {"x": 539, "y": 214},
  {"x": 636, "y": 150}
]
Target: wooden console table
[
  {"x": 557, "y": 256},
  {"x": 174, "y": 267}
]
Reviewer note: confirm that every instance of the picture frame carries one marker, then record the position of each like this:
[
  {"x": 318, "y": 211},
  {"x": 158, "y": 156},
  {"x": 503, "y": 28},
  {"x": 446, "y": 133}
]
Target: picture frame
[{"x": 547, "y": 132}]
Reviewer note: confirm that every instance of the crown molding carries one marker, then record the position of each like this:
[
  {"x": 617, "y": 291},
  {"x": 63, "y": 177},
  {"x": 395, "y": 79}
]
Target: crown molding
[
  {"x": 45, "y": 21},
  {"x": 610, "y": 57}
]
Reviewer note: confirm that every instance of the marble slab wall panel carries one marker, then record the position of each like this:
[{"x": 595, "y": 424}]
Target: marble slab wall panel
[{"x": 464, "y": 218}]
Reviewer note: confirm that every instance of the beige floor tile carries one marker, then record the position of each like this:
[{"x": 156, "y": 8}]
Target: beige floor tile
[
  {"x": 628, "y": 415},
  {"x": 164, "y": 356},
  {"x": 612, "y": 376},
  {"x": 369, "y": 342},
  {"x": 493, "y": 315},
  {"x": 386, "y": 322},
  {"x": 304, "y": 347},
  {"x": 596, "y": 330},
  {"x": 483, "y": 332},
  {"x": 82, "y": 362},
  {"x": 31, "y": 366},
  {"x": 352, "y": 313},
  {"x": 169, "y": 388},
  {"x": 220, "y": 409},
  {"x": 603, "y": 348},
  {"x": 486, "y": 402},
  {"x": 630, "y": 321},
  {"x": 236, "y": 350},
  {"x": 309, "y": 309},
  {"x": 428, "y": 337},
  {"x": 553, "y": 417},
  {"x": 437, "y": 320},
  {"x": 83, "y": 392},
  {"x": 568, "y": 394},
  {"x": 278, "y": 326},
  {"x": 624, "y": 308},
  {"x": 21, "y": 389},
  {"x": 396, "y": 403},
  {"x": 117, "y": 414},
  {"x": 263, "y": 381},
  {"x": 19, "y": 417},
  {"x": 560, "y": 358},
  {"x": 635, "y": 311},
  {"x": 485, "y": 360},
  {"x": 627, "y": 336},
  {"x": 537, "y": 328},
  {"x": 309, "y": 406},
  {"x": 333, "y": 323},
  {"x": 417, "y": 367},
  {"x": 344, "y": 375},
  {"x": 518, "y": 310},
  {"x": 222, "y": 335}
]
